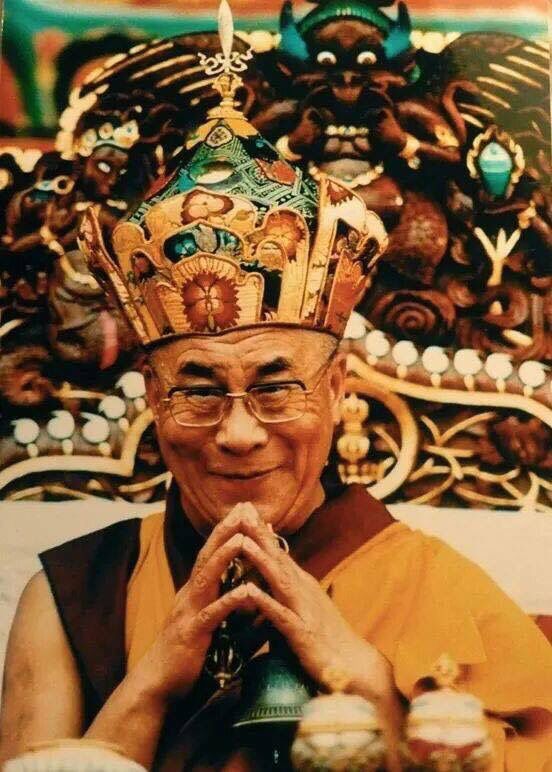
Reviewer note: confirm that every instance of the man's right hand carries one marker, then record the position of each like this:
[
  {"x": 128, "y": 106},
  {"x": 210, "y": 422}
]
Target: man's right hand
[
  {"x": 174, "y": 662},
  {"x": 134, "y": 714}
]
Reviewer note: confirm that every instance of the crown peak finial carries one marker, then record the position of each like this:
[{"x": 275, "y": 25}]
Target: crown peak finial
[
  {"x": 225, "y": 67},
  {"x": 226, "y": 30},
  {"x": 227, "y": 64},
  {"x": 228, "y": 82}
]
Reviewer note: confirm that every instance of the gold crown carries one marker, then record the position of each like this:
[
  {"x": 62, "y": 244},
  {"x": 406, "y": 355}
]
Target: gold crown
[{"x": 236, "y": 236}]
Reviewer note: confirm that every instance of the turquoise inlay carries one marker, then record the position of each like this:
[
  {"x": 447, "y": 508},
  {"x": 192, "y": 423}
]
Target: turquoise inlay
[
  {"x": 398, "y": 39},
  {"x": 180, "y": 245},
  {"x": 185, "y": 182},
  {"x": 202, "y": 238},
  {"x": 495, "y": 166}
]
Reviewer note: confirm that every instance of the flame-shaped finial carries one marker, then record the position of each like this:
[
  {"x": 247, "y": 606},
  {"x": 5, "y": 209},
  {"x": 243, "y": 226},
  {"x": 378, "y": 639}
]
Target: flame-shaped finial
[
  {"x": 225, "y": 66},
  {"x": 227, "y": 63},
  {"x": 226, "y": 31}
]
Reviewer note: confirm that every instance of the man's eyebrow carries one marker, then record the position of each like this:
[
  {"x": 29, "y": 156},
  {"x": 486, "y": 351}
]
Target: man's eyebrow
[
  {"x": 198, "y": 370},
  {"x": 278, "y": 365}
]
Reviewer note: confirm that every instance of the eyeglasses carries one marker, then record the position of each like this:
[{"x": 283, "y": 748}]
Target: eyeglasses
[{"x": 276, "y": 402}]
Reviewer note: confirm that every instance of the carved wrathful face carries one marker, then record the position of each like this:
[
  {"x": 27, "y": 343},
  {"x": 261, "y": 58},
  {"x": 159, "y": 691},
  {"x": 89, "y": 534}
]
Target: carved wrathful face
[
  {"x": 103, "y": 172},
  {"x": 349, "y": 52},
  {"x": 276, "y": 466},
  {"x": 349, "y": 74},
  {"x": 349, "y": 67}
]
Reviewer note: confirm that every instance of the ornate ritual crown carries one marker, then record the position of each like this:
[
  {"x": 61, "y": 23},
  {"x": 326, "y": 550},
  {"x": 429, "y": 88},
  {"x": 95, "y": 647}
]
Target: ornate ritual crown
[{"x": 236, "y": 236}]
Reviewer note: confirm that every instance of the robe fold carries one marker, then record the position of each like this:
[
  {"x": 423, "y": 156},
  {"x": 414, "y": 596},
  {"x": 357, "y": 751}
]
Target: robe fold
[{"x": 410, "y": 595}]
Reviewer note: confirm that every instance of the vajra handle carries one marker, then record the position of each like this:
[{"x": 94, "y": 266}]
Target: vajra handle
[{"x": 224, "y": 661}]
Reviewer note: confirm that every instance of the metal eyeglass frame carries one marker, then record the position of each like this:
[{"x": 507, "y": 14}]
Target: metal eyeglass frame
[{"x": 245, "y": 395}]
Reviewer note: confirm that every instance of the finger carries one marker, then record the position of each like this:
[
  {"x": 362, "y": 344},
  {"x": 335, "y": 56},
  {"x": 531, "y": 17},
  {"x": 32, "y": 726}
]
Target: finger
[
  {"x": 286, "y": 621},
  {"x": 204, "y": 584},
  {"x": 256, "y": 528},
  {"x": 210, "y": 617},
  {"x": 238, "y": 518},
  {"x": 278, "y": 569},
  {"x": 243, "y": 518}
]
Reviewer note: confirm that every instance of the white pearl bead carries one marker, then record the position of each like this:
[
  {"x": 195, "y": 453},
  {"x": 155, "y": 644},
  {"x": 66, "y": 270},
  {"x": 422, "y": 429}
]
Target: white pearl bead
[
  {"x": 67, "y": 446},
  {"x": 377, "y": 344},
  {"x": 405, "y": 353},
  {"x": 112, "y": 407},
  {"x": 132, "y": 384},
  {"x": 532, "y": 373},
  {"x": 435, "y": 360},
  {"x": 499, "y": 366},
  {"x": 356, "y": 327},
  {"x": 96, "y": 429},
  {"x": 467, "y": 361},
  {"x": 62, "y": 426},
  {"x": 25, "y": 431}
]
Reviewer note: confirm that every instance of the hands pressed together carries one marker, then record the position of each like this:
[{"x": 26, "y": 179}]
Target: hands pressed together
[
  {"x": 294, "y": 603},
  {"x": 297, "y": 607}
]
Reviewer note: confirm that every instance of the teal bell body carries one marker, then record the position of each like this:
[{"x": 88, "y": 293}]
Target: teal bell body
[
  {"x": 274, "y": 692},
  {"x": 495, "y": 165}
]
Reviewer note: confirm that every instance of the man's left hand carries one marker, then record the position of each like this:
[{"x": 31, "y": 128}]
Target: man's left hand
[{"x": 323, "y": 641}]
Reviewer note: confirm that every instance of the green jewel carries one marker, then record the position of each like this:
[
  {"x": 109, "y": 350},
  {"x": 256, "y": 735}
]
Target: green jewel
[{"x": 495, "y": 165}]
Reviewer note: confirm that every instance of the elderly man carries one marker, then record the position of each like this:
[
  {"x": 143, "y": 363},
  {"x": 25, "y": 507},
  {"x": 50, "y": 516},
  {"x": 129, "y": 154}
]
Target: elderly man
[{"x": 238, "y": 277}]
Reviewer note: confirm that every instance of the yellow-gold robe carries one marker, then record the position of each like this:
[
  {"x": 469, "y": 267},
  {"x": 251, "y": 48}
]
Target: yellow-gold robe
[{"x": 414, "y": 598}]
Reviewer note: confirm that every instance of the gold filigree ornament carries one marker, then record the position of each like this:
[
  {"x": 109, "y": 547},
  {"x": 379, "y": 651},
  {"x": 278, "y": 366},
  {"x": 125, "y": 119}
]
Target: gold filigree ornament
[
  {"x": 339, "y": 732},
  {"x": 226, "y": 65},
  {"x": 446, "y": 729},
  {"x": 354, "y": 444},
  {"x": 236, "y": 236}
]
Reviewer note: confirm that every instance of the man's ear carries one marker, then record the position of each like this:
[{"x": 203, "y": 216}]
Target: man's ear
[
  {"x": 338, "y": 375},
  {"x": 153, "y": 389}
]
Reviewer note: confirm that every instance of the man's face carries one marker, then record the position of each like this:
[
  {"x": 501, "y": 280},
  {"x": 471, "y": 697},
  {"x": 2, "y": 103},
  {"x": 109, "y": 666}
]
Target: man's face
[{"x": 276, "y": 467}]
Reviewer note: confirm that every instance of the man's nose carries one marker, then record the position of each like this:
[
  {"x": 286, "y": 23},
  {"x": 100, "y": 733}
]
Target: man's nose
[{"x": 240, "y": 431}]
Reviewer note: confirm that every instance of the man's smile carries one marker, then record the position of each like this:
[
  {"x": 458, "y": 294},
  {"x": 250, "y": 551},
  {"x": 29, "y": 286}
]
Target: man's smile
[{"x": 253, "y": 474}]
